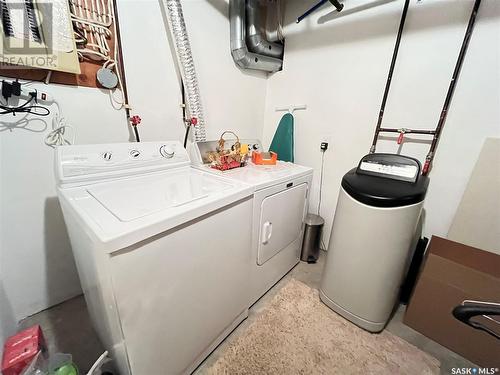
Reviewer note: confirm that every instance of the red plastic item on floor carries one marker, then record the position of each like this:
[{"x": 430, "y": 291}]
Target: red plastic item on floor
[{"x": 20, "y": 349}]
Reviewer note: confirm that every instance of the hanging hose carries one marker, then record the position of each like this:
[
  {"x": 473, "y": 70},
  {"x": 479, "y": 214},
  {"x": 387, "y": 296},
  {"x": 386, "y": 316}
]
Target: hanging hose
[
  {"x": 185, "y": 60},
  {"x": 184, "y": 119}
]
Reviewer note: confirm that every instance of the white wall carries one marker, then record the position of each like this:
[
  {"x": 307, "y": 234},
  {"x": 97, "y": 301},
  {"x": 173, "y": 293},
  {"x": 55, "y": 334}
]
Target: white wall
[
  {"x": 37, "y": 266},
  {"x": 232, "y": 98},
  {"x": 7, "y": 322},
  {"x": 337, "y": 64},
  {"x": 338, "y": 68}
]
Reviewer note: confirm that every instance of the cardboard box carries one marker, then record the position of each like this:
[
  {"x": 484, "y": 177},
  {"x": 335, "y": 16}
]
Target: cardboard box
[
  {"x": 20, "y": 349},
  {"x": 452, "y": 273}
]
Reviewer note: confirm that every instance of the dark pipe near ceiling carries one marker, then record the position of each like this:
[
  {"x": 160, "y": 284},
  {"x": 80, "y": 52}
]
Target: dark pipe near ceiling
[{"x": 335, "y": 3}]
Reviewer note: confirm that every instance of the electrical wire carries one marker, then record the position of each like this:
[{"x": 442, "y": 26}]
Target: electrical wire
[
  {"x": 25, "y": 108},
  {"x": 120, "y": 71},
  {"x": 98, "y": 363},
  {"x": 57, "y": 136},
  {"x": 123, "y": 102},
  {"x": 321, "y": 181},
  {"x": 322, "y": 243},
  {"x": 92, "y": 30}
]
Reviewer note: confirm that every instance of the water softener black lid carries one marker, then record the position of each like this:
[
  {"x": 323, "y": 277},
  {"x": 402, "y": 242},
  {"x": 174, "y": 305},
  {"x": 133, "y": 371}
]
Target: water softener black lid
[{"x": 386, "y": 180}]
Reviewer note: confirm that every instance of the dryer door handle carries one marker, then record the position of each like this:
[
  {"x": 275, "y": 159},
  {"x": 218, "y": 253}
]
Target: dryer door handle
[{"x": 267, "y": 232}]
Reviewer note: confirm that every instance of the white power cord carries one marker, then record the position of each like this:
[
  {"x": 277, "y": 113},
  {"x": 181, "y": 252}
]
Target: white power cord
[
  {"x": 320, "y": 196},
  {"x": 97, "y": 365},
  {"x": 36, "y": 102},
  {"x": 57, "y": 136}
]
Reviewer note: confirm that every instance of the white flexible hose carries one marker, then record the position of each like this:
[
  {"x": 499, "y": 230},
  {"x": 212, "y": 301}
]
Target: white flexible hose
[
  {"x": 97, "y": 363},
  {"x": 178, "y": 30}
]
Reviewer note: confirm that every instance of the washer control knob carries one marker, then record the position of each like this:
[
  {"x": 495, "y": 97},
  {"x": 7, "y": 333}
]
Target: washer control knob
[
  {"x": 107, "y": 156},
  {"x": 167, "y": 151},
  {"x": 135, "y": 154}
]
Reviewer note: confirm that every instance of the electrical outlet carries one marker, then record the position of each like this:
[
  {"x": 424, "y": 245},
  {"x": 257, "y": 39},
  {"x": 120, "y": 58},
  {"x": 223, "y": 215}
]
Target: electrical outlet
[
  {"x": 14, "y": 88},
  {"x": 324, "y": 146}
]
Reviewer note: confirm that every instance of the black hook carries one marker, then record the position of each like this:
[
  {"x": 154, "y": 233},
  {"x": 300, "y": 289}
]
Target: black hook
[{"x": 335, "y": 3}]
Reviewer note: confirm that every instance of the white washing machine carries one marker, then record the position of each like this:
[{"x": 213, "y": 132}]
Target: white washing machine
[
  {"x": 162, "y": 251},
  {"x": 280, "y": 205}
]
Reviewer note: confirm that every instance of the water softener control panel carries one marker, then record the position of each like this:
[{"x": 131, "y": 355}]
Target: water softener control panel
[{"x": 391, "y": 166}]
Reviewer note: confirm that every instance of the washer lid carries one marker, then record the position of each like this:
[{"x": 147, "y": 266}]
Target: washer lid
[
  {"x": 138, "y": 197},
  {"x": 386, "y": 180}
]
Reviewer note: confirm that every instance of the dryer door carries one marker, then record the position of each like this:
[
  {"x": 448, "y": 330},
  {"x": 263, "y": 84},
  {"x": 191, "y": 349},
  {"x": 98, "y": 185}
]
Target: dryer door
[{"x": 281, "y": 218}]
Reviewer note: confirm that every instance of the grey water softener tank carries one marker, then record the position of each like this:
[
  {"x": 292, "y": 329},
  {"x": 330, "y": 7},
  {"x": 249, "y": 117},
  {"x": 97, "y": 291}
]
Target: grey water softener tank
[{"x": 373, "y": 237}]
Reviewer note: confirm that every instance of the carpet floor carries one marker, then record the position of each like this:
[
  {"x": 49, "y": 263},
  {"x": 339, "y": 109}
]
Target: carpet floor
[{"x": 298, "y": 334}]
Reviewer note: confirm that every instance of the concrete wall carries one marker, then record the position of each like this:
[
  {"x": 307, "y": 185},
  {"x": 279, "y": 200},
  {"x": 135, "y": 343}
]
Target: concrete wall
[
  {"x": 337, "y": 64},
  {"x": 37, "y": 266}
]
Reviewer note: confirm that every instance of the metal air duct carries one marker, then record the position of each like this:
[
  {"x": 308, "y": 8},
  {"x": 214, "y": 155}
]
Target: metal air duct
[
  {"x": 256, "y": 37},
  {"x": 239, "y": 50}
]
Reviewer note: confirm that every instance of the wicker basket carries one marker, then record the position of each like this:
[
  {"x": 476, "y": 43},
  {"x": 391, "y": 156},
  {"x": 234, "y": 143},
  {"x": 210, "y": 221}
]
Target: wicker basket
[{"x": 225, "y": 159}]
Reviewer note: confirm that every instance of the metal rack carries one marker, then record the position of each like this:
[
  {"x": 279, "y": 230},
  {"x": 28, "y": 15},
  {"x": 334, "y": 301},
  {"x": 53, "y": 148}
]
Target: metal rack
[{"x": 436, "y": 133}]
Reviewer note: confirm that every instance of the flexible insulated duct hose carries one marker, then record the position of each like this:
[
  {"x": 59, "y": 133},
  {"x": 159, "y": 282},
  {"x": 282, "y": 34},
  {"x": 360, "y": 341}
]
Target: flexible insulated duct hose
[{"x": 185, "y": 60}]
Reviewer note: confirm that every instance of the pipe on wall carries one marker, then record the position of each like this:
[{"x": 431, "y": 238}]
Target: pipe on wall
[
  {"x": 178, "y": 30},
  {"x": 256, "y": 39},
  {"x": 239, "y": 50}
]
